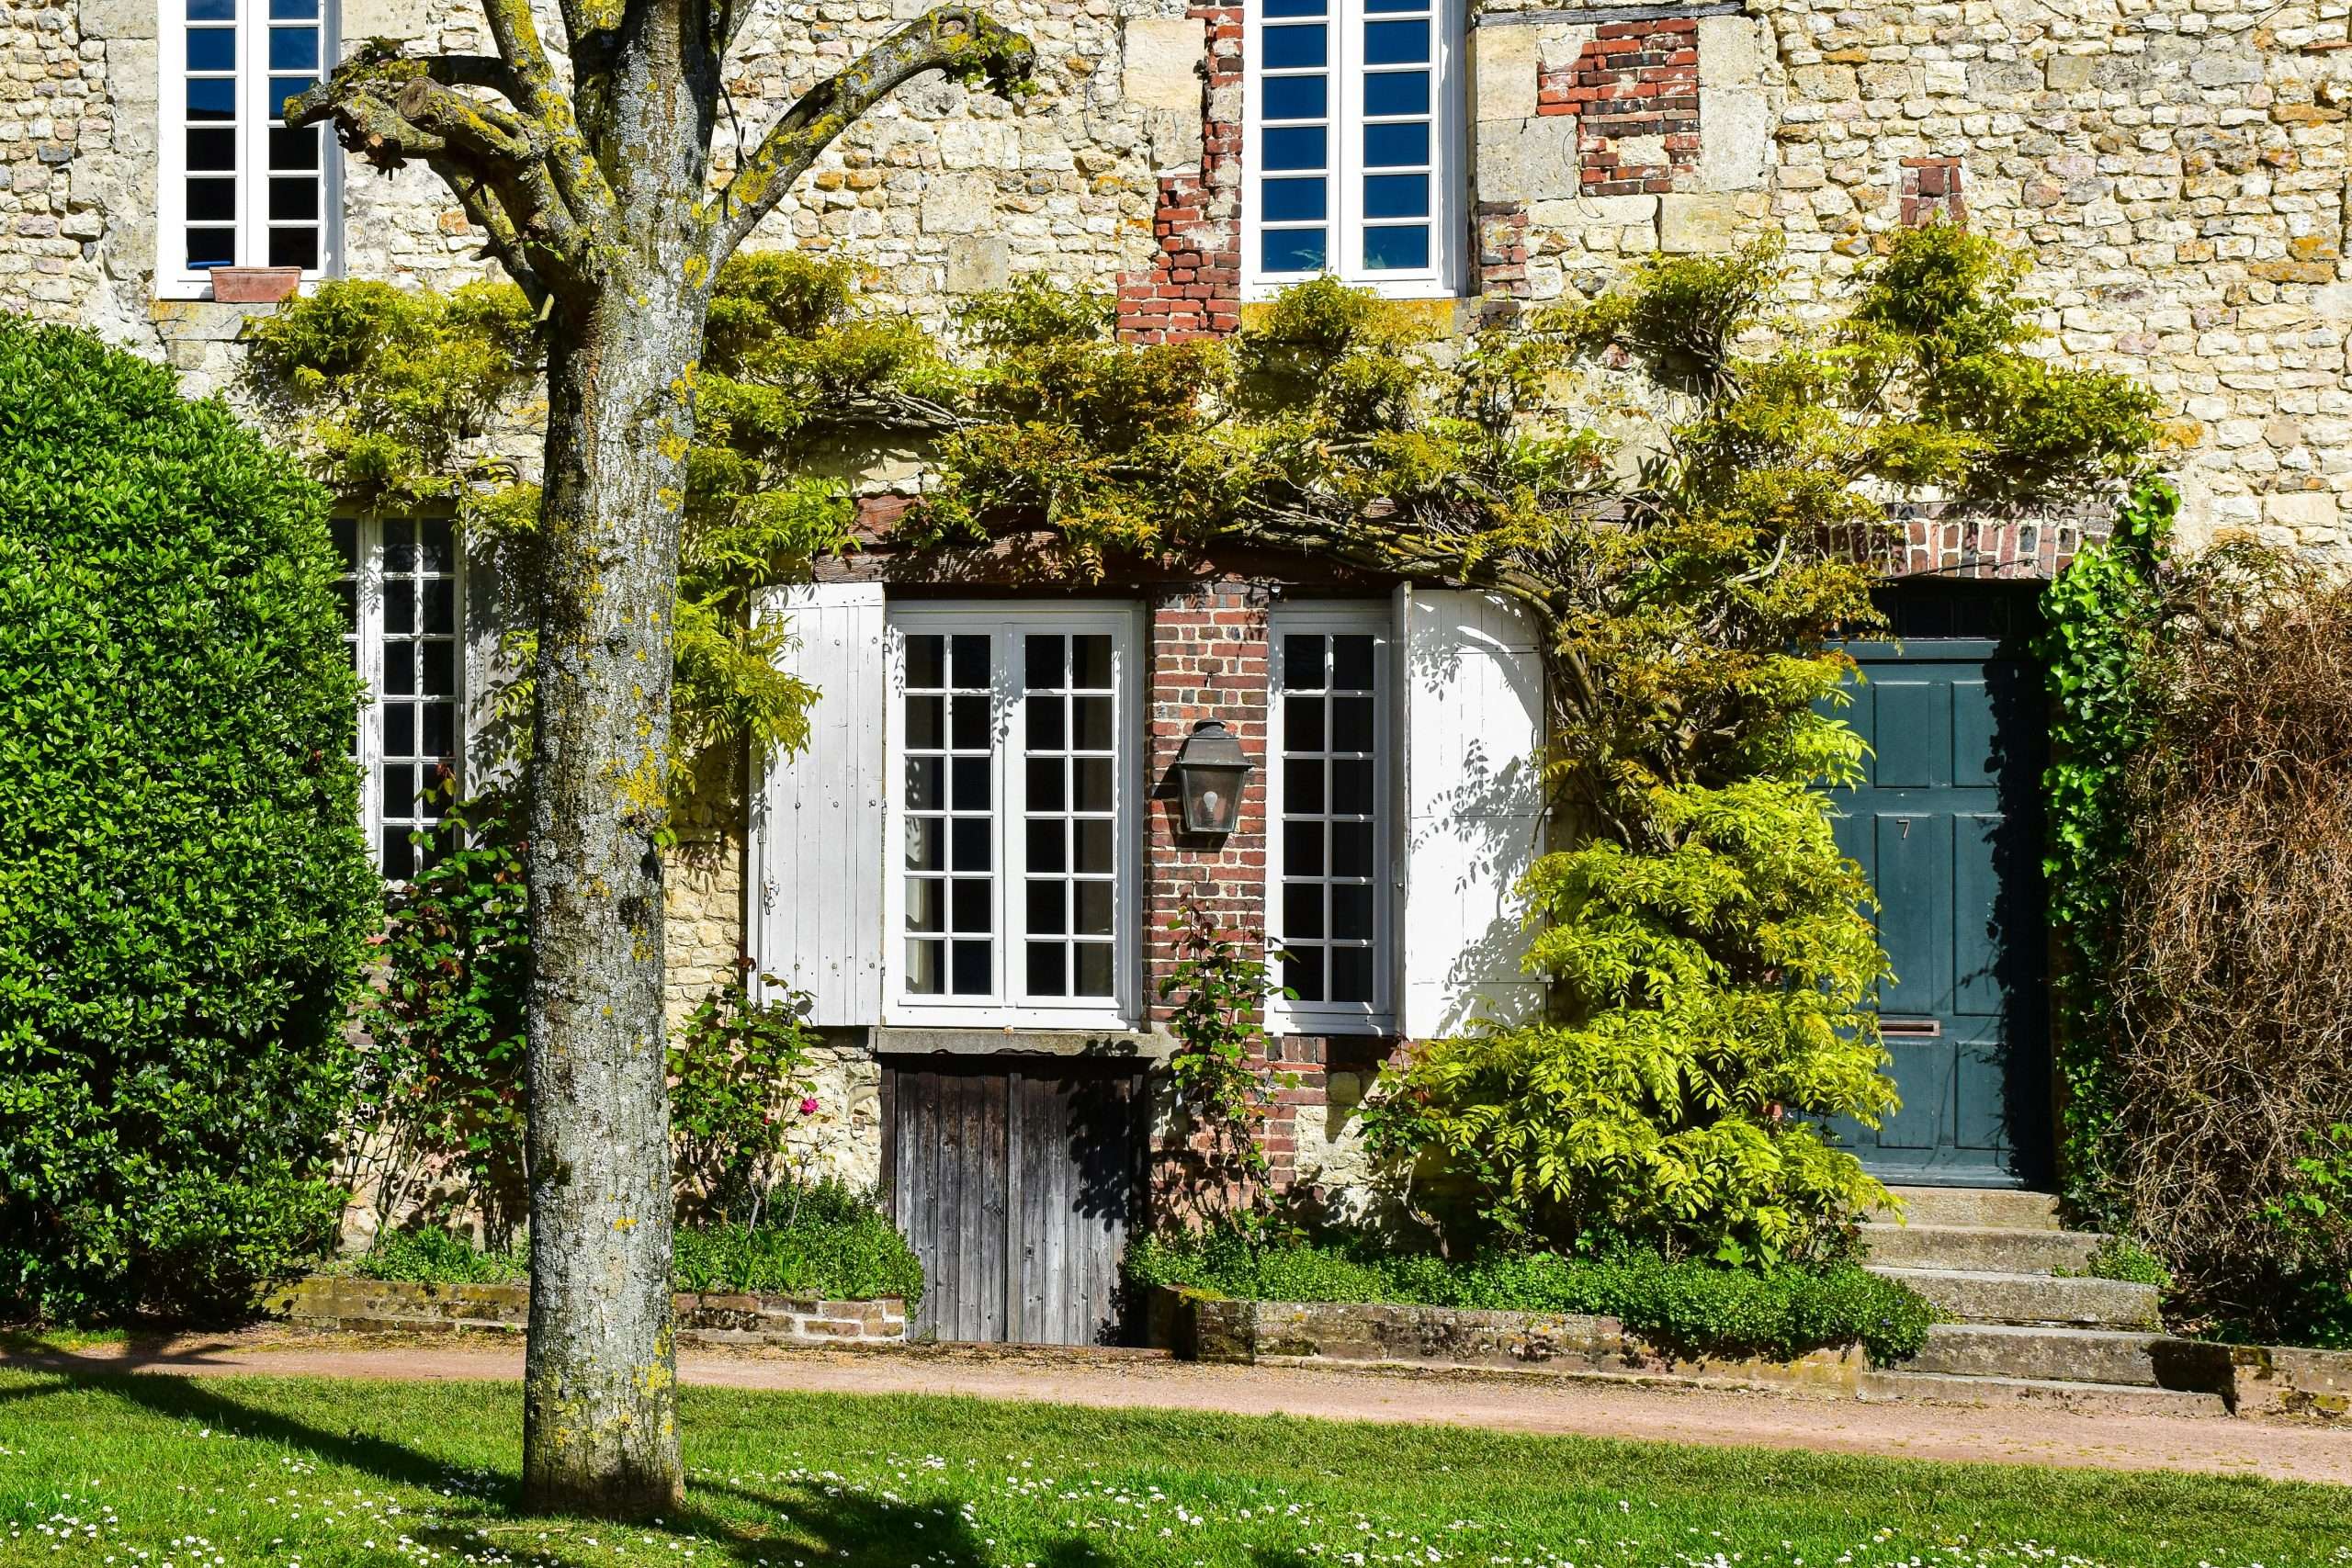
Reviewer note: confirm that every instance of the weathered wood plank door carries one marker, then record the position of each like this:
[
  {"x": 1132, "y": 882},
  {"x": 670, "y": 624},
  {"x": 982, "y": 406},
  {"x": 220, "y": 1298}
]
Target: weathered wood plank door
[
  {"x": 1015, "y": 1179},
  {"x": 1947, "y": 824}
]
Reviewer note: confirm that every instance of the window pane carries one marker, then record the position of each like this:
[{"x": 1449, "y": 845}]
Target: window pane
[
  {"x": 1295, "y": 147},
  {"x": 969, "y": 909},
  {"x": 1049, "y": 910},
  {"x": 971, "y": 659},
  {"x": 926, "y": 844},
  {"x": 971, "y": 713},
  {"x": 1093, "y": 716},
  {"x": 926, "y": 663},
  {"x": 1297, "y": 47},
  {"x": 1351, "y": 659},
  {"x": 440, "y": 668},
  {"x": 1351, "y": 724},
  {"x": 1395, "y": 92},
  {"x": 210, "y": 151},
  {"x": 975, "y": 837},
  {"x": 296, "y": 200},
  {"x": 304, "y": 10},
  {"x": 1302, "y": 911},
  {"x": 1048, "y": 969},
  {"x": 294, "y": 49},
  {"x": 212, "y": 97},
  {"x": 1090, "y": 663},
  {"x": 1046, "y": 729},
  {"x": 1393, "y": 146},
  {"x": 1091, "y": 780},
  {"x": 1303, "y": 662},
  {"x": 1395, "y": 5},
  {"x": 1095, "y": 977},
  {"x": 213, "y": 48},
  {"x": 294, "y": 150},
  {"x": 212, "y": 201},
  {"x": 1302, "y": 973},
  {"x": 211, "y": 10},
  {"x": 1397, "y": 250},
  {"x": 1049, "y": 847},
  {"x": 277, "y": 89},
  {"x": 441, "y": 606},
  {"x": 1302, "y": 848},
  {"x": 1094, "y": 908},
  {"x": 294, "y": 247},
  {"x": 972, "y": 793},
  {"x": 1352, "y": 848},
  {"x": 924, "y": 730},
  {"x": 925, "y": 783},
  {"x": 1396, "y": 43},
  {"x": 1351, "y": 977},
  {"x": 926, "y": 904},
  {"x": 1093, "y": 846},
  {"x": 1290, "y": 201},
  {"x": 1352, "y": 911},
  {"x": 1046, "y": 785},
  {"x": 971, "y": 972},
  {"x": 1296, "y": 97},
  {"x": 926, "y": 974},
  {"x": 1292, "y": 249},
  {"x": 1303, "y": 786},
  {"x": 1396, "y": 196},
  {"x": 1302, "y": 723},
  {"x": 1042, "y": 663},
  {"x": 1295, "y": 7},
  {"x": 1351, "y": 788},
  {"x": 211, "y": 247}
]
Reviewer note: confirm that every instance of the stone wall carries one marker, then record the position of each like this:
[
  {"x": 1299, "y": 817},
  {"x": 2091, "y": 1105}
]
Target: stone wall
[{"x": 368, "y": 1306}]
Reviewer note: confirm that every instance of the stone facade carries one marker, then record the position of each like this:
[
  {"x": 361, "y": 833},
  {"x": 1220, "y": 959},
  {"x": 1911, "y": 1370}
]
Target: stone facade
[{"x": 2179, "y": 167}]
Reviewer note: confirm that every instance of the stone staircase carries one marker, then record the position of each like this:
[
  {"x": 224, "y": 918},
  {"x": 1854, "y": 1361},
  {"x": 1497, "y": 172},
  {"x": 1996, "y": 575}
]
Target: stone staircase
[{"x": 2027, "y": 1325}]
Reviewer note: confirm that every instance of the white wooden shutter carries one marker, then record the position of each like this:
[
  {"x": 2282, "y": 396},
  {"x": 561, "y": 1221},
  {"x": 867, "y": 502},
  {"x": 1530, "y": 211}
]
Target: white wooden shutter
[
  {"x": 816, "y": 855},
  {"x": 1474, "y": 804}
]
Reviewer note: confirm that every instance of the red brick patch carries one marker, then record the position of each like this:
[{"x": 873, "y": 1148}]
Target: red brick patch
[{"x": 1635, "y": 82}]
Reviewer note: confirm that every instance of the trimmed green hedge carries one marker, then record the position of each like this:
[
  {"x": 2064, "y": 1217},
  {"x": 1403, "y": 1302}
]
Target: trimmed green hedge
[
  {"x": 185, "y": 898},
  {"x": 835, "y": 1248},
  {"x": 1686, "y": 1305}
]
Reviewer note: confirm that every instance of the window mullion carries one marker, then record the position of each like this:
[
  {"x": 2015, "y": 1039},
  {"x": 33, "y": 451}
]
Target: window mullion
[
  {"x": 1347, "y": 140},
  {"x": 1012, "y": 815}
]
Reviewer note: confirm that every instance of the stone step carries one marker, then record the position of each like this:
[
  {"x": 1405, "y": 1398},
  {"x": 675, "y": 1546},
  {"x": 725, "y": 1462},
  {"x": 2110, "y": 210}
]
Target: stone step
[
  {"x": 2082, "y": 1398},
  {"x": 1981, "y": 1296},
  {"x": 2000, "y": 1208},
  {"x": 2055, "y": 1355},
  {"x": 1989, "y": 1248}
]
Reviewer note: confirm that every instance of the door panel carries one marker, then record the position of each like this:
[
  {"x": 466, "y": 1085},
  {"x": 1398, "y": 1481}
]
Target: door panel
[{"x": 1946, "y": 826}]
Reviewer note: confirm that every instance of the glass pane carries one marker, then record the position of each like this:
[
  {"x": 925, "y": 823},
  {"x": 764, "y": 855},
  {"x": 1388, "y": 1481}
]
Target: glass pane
[
  {"x": 399, "y": 606},
  {"x": 294, "y": 49},
  {"x": 971, "y": 722},
  {"x": 295, "y": 151},
  {"x": 305, "y": 10},
  {"x": 1295, "y": 147},
  {"x": 295, "y": 200},
  {"x": 213, "y": 48},
  {"x": 1303, "y": 724},
  {"x": 1352, "y": 664},
  {"x": 1093, "y": 846},
  {"x": 972, "y": 792},
  {"x": 1043, "y": 663},
  {"x": 926, "y": 844},
  {"x": 1048, "y": 846},
  {"x": 1396, "y": 250},
  {"x": 400, "y": 544},
  {"x": 440, "y": 730},
  {"x": 926, "y": 905},
  {"x": 294, "y": 247},
  {"x": 1351, "y": 788},
  {"x": 212, "y": 97},
  {"x": 926, "y": 661},
  {"x": 1303, "y": 662},
  {"x": 1046, "y": 729},
  {"x": 1049, "y": 908},
  {"x": 399, "y": 670},
  {"x": 925, "y": 783},
  {"x": 440, "y": 669},
  {"x": 1395, "y": 5},
  {"x": 212, "y": 201},
  {"x": 211, "y": 10},
  {"x": 441, "y": 604},
  {"x": 1293, "y": 7},
  {"x": 400, "y": 730},
  {"x": 1302, "y": 848},
  {"x": 1302, "y": 911},
  {"x": 1352, "y": 848},
  {"x": 971, "y": 659},
  {"x": 924, "y": 722},
  {"x": 1395, "y": 43},
  {"x": 975, "y": 837},
  {"x": 1351, "y": 724},
  {"x": 969, "y": 905},
  {"x": 1297, "y": 47},
  {"x": 1048, "y": 969},
  {"x": 1094, "y": 908},
  {"x": 1290, "y": 201},
  {"x": 1045, "y": 793},
  {"x": 1395, "y": 92},
  {"x": 1092, "y": 781},
  {"x": 1292, "y": 249},
  {"x": 399, "y": 855},
  {"x": 1093, "y": 716},
  {"x": 211, "y": 151},
  {"x": 1352, "y": 975},
  {"x": 1302, "y": 786},
  {"x": 1302, "y": 973},
  {"x": 971, "y": 961},
  {"x": 1395, "y": 146},
  {"x": 1396, "y": 196},
  {"x": 1351, "y": 912},
  {"x": 277, "y": 89},
  {"x": 211, "y": 247},
  {"x": 1094, "y": 969},
  {"x": 1296, "y": 97},
  {"x": 923, "y": 968},
  {"x": 1091, "y": 663}
]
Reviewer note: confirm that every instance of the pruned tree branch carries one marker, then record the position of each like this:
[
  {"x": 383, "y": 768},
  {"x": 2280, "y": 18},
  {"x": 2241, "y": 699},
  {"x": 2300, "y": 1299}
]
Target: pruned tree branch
[{"x": 958, "y": 40}]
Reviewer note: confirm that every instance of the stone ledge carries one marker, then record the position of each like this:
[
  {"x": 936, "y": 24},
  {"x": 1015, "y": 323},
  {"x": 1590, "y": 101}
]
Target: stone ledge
[{"x": 341, "y": 1302}]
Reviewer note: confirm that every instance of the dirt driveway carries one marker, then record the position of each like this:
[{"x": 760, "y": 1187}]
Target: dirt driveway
[{"x": 1503, "y": 1402}]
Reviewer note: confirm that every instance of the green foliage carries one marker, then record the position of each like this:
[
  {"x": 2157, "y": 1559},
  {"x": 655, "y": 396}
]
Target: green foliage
[
  {"x": 2121, "y": 1257},
  {"x": 1681, "y": 1304},
  {"x": 832, "y": 1243},
  {"x": 442, "y": 1092},
  {"x": 2101, "y": 621},
  {"x": 435, "y": 1257},
  {"x": 183, "y": 894},
  {"x": 2315, "y": 1218},
  {"x": 1218, "y": 1065},
  {"x": 738, "y": 1084}
]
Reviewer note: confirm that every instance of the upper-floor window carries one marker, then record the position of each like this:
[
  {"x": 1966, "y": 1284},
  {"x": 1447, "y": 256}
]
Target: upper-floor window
[
  {"x": 1353, "y": 144},
  {"x": 1332, "y": 850},
  {"x": 238, "y": 189},
  {"x": 400, "y": 620},
  {"x": 1012, "y": 824}
]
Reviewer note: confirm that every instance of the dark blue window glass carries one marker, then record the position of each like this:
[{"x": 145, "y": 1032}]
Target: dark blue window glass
[
  {"x": 293, "y": 10},
  {"x": 212, "y": 97},
  {"x": 211, "y": 10},
  {"x": 277, "y": 89},
  {"x": 1396, "y": 196},
  {"x": 210, "y": 248},
  {"x": 1292, "y": 249},
  {"x": 1295, "y": 48},
  {"x": 1296, "y": 97},
  {"x": 1396, "y": 250},
  {"x": 1395, "y": 92},
  {"x": 1295, "y": 147},
  {"x": 1293, "y": 7},
  {"x": 293, "y": 48},
  {"x": 1395, "y": 5},
  {"x": 1395, "y": 43},
  {"x": 1292, "y": 201},
  {"x": 212, "y": 150},
  {"x": 212, "y": 201},
  {"x": 1387, "y": 146},
  {"x": 212, "y": 49}
]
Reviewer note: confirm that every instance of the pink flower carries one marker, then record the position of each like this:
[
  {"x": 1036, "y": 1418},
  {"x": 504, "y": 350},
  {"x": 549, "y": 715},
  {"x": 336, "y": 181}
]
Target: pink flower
[{"x": 808, "y": 1105}]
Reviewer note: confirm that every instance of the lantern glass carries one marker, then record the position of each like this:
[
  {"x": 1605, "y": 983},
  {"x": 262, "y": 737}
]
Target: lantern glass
[{"x": 1209, "y": 775}]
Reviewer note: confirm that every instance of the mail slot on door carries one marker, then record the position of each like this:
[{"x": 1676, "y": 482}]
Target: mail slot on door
[{"x": 1910, "y": 1028}]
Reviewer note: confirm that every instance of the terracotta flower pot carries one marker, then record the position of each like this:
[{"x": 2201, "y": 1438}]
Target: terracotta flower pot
[{"x": 254, "y": 284}]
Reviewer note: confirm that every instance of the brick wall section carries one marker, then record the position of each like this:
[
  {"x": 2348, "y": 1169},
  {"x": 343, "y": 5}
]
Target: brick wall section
[
  {"x": 1635, "y": 90},
  {"x": 1982, "y": 547},
  {"x": 1931, "y": 192},
  {"x": 1502, "y": 251},
  {"x": 1192, "y": 288}
]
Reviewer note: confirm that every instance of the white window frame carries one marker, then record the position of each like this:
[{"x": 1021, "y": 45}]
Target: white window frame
[
  {"x": 173, "y": 280},
  {"x": 1449, "y": 115},
  {"x": 1008, "y": 1006},
  {"x": 1378, "y": 1017},
  {"x": 367, "y": 642}
]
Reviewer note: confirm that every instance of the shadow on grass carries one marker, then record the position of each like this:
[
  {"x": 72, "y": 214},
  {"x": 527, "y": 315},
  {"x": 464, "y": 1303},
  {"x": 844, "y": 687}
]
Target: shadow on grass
[{"x": 767, "y": 1526}]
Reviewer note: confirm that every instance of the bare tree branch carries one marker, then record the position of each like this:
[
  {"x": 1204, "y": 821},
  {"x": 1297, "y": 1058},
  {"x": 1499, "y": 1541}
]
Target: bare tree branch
[{"x": 958, "y": 40}]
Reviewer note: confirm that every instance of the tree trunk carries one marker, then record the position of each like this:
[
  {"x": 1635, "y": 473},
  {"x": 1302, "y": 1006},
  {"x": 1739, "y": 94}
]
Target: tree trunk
[{"x": 600, "y": 1430}]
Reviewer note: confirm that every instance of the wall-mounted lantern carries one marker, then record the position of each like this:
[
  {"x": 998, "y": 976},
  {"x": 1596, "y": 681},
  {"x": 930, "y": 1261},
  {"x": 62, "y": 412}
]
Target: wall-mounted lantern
[{"x": 1210, "y": 767}]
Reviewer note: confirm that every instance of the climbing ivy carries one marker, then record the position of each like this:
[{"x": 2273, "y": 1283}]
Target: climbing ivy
[{"x": 2101, "y": 623}]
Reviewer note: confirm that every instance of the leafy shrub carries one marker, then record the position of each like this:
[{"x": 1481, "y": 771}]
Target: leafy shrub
[
  {"x": 1682, "y": 1305},
  {"x": 737, "y": 1074},
  {"x": 1216, "y": 991},
  {"x": 2124, "y": 1257},
  {"x": 184, "y": 893},
  {"x": 435, "y": 1257}
]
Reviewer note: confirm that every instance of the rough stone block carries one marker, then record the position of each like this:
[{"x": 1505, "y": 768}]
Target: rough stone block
[
  {"x": 977, "y": 264},
  {"x": 1735, "y": 138},
  {"x": 2069, "y": 72},
  {"x": 2224, "y": 68},
  {"x": 1528, "y": 160},
  {"x": 386, "y": 19},
  {"x": 958, "y": 204},
  {"x": 2306, "y": 510},
  {"x": 1688, "y": 224},
  {"x": 1731, "y": 52},
  {"x": 1161, "y": 68},
  {"x": 1504, "y": 62},
  {"x": 1824, "y": 84}
]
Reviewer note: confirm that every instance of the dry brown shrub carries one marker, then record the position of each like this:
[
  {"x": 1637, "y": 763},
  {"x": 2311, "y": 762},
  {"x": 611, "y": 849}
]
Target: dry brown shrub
[{"x": 2234, "y": 990}]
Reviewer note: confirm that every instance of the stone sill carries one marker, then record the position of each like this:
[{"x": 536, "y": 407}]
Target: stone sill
[
  {"x": 341, "y": 1302},
  {"x": 1109, "y": 1045}
]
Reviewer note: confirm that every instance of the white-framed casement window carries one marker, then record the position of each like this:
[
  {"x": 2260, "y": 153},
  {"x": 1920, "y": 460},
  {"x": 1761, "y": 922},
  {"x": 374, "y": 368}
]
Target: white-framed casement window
[
  {"x": 1012, "y": 825},
  {"x": 237, "y": 188},
  {"x": 401, "y": 596},
  {"x": 1332, "y": 858},
  {"x": 1354, "y": 144}
]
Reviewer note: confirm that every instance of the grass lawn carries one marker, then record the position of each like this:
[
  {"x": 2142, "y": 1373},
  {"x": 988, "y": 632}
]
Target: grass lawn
[{"x": 218, "y": 1472}]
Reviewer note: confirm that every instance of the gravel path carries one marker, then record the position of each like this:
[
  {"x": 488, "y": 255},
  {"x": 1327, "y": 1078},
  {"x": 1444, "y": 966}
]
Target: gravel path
[{"x": 1122, "y": 1380}]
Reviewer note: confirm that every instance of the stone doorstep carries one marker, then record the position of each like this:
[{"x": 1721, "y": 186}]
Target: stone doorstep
[
  {"x": 1990, "y": 1247},
  {"x": 1996, "y": 1208},
  {"x": 2080, "y": 1398},
  {"x": 1977, "y": 1296}
]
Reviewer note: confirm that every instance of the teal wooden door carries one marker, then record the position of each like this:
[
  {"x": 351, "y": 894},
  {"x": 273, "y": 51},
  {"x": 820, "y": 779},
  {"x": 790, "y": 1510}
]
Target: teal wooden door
[{"x": 1947, "y": 825}]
